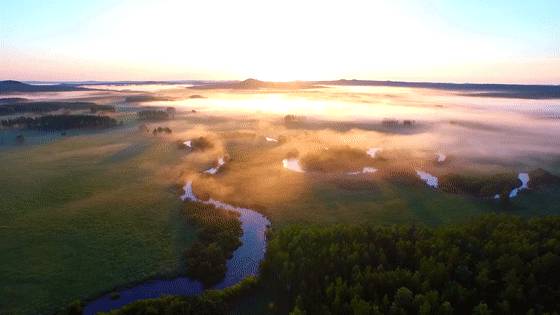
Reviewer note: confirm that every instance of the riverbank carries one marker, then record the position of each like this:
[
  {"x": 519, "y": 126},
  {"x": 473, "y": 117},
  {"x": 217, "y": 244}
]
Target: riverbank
[{"x": 244, "y": 262}]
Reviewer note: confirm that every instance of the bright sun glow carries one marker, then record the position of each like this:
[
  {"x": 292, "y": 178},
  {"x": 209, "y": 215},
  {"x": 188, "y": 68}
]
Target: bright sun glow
[{"x": 278, "y": 41}]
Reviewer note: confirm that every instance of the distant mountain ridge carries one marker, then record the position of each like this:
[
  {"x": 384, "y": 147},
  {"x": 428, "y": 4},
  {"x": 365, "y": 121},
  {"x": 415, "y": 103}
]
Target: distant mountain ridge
[
  {"x": 521, "y": 91},
  {"x": 11, "y": 86},
  {"x": 526, "y": 91},
  {"x": 254, "y": 84},
  {"x": 466, "y": 89}
]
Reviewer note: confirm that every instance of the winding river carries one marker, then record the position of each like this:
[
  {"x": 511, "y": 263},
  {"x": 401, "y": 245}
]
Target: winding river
[{"x": 244, "y": 262}]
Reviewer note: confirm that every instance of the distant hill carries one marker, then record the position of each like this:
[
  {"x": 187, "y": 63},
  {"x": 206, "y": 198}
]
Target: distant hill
[
  {"x": 254, "y": 84},
  {"x": 11, "y": 86},
  {"x": 123, "y": 83},
  {"x": 466, "y": 89},
  {"x": 10, "y": 100}
]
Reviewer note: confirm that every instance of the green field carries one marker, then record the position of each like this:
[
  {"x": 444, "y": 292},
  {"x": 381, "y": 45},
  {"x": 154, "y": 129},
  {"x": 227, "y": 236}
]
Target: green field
[{"x": 85, "y": 214}]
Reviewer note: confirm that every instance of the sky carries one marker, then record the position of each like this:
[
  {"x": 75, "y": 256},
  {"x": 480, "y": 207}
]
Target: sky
[{"x": 433, "y": 40}]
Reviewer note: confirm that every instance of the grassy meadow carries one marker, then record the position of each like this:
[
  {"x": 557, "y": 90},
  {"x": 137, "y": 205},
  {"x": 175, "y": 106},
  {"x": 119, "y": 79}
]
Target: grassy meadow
[{"x": 85, "y": 214}]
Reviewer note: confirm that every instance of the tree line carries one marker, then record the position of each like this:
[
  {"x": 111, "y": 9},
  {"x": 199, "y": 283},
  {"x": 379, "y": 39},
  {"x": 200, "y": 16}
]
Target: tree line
[
  {"x": 156, "y": 114},
  {"x": 160, "y": 129},
  {"x": 60, "y": 122},
  {"x": 43, "y": 107}
]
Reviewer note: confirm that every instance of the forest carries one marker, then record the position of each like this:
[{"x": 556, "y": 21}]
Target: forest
[{"x": 493, "y": 264}]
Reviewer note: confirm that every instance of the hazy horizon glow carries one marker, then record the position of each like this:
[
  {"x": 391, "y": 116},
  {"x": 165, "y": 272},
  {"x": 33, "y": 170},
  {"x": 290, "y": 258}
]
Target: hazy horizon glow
[{"x": 467, "y": 41}]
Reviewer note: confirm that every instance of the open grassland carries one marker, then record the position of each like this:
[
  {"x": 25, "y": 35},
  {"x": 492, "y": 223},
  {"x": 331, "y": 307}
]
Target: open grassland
[{"x": 85, "y": 214}]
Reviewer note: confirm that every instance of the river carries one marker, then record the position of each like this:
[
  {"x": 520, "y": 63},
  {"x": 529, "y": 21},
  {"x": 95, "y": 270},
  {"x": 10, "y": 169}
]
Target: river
[{"x": 244, "y": 262}]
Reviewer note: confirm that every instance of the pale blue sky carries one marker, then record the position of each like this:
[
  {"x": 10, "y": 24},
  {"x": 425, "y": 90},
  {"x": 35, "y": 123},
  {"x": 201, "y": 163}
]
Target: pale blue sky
[{"x": 476, "y": 41}]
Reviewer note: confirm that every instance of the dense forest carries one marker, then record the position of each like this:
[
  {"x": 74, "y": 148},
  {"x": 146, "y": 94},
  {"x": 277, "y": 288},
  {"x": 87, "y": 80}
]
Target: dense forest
[
  {"x": 494, "y": 264},
  {"x": 44, "y": 107},
  {"x": 218, "y": 236},
  {"x": 60, "y": 122}
]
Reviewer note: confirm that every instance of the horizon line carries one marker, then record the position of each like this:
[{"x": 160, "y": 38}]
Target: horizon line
[{"x": 241, "y": 80}]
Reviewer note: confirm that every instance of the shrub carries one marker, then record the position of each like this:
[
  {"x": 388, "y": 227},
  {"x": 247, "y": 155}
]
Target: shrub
[
  {"x": 343, "y": 158},
  {"x": 201, "y": 144}
]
